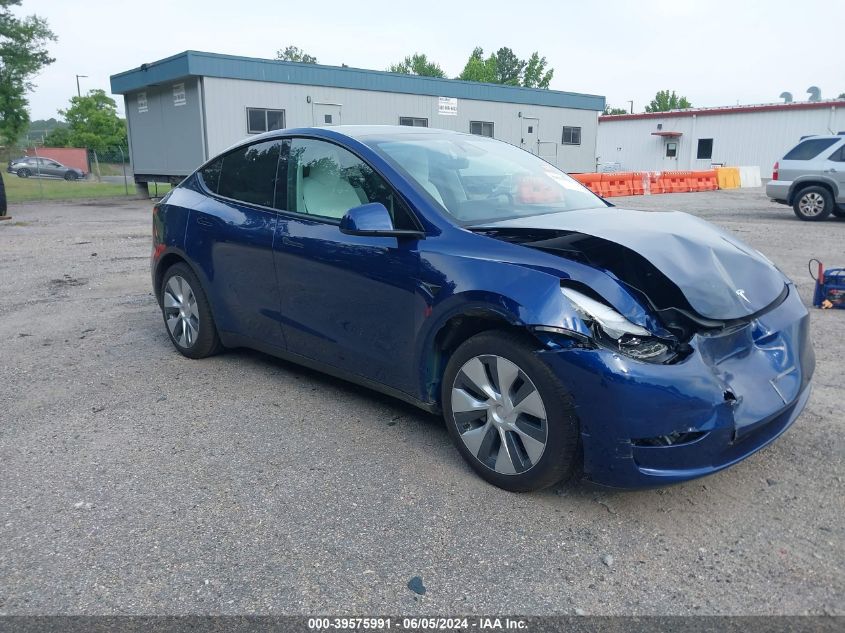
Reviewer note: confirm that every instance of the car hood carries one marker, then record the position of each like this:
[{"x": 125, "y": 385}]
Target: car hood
[{"x": 720, "y": 276}]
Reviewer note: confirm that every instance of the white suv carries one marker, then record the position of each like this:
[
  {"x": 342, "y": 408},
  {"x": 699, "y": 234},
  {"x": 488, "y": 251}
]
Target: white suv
[{"x": 811, "y": 177}]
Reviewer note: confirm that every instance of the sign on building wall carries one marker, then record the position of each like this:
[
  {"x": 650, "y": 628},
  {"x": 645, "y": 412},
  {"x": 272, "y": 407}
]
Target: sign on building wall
[
  {"x": 142, "y": 102},
  {"x": 179, "y": 95},
  {"x": 447, "y": 106}
]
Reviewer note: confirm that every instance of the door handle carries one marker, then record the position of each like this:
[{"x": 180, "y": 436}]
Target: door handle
[{"x": 286, "y": 241}]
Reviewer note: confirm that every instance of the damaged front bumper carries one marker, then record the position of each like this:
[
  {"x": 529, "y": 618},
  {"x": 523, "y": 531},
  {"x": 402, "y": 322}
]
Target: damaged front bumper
[{"x": 646, "y": 425}]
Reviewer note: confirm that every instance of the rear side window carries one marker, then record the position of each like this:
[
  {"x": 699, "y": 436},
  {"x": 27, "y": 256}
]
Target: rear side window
[
  {"x": 249, "y": 173},
  {"x": 210, "y": 174},
  {"x": 810, "y": 148},
  {"x": 839, "y": 155}
]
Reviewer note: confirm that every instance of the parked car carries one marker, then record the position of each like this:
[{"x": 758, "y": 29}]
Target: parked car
[
  {"x": 38, "y": 166},
  {"x": 554, "y": 332},
  {"x": 811, "y": 178}
]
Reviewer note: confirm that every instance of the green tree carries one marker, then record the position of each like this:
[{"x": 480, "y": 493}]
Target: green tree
[
  {"x": 509, "y": 67},
  {"x": 841, "y": 96},
  {"x": 664, "y": 101},
  {"x": 479, "y": 69},
  {"x": 58, "y": 137},
  {"x": 417, "y": 64},
  {"x": 535, "y": 74},
  {"x": 23, "y": 53},
  {"x": 504, "y": 67},
  {"x": 92, "y": 122},
  {"x": 609, "y": 110},
  {"x": 295, "y": 54}
]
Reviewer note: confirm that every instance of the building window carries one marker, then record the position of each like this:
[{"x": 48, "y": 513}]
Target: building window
[
  {"x": 142, "y": 102},
  {"x": 705, "y": 149},
  {"x": 413, "y": 121},
  {"x": 481, "y": 128},
  {"x": 671, "y": 150},
  {"x": 179, "y": 98},
  {"x": 571, "y": 135},
  {"x": 261, "y": 120}
]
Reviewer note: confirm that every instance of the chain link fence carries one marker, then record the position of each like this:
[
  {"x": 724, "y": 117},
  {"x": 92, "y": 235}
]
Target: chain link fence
[{"x": 58, "y": 173}]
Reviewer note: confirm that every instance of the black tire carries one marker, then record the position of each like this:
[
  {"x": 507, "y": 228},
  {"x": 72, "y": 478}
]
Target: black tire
[
  {"x": 204, "y": 342},
  {"x": 560, "y": 456},
  {"x": 839, "y": 211},
  {"x": 71, "y": 175},
  {"x": 813, "y": 203},
  {"x": 24, "y": 173}
]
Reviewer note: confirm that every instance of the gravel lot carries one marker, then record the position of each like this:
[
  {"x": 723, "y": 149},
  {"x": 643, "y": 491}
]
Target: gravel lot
[{"x": 133, "y": 480}]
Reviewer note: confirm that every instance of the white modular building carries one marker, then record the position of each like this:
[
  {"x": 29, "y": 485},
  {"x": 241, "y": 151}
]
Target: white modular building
[
  {"x": 187, "y": 108},
  {"x": 699, "y": 138}
]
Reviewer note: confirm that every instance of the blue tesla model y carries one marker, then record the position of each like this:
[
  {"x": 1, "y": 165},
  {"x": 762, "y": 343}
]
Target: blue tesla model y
[{"x": 556, "y": 333}]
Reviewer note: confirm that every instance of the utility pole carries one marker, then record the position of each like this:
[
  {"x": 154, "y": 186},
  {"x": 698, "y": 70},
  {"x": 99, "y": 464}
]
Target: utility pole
[
  {"x": 632, "y": 107},
  {"x": 78, "y": 91}
]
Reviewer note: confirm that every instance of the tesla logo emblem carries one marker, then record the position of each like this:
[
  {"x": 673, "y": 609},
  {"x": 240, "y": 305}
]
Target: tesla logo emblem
[{"x": 741, "y": 294}]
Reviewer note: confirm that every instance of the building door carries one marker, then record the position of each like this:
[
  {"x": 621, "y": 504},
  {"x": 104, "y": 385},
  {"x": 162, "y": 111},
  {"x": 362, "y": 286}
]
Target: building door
[
  {"x": 530, "y": 134},
  {"x": 326, "y": 114},
  {"x": 671, "y": 149}
]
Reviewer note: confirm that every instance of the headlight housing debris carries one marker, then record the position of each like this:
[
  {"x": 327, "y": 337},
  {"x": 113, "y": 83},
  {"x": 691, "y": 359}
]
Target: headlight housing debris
[{"x": 611, "y": 329}]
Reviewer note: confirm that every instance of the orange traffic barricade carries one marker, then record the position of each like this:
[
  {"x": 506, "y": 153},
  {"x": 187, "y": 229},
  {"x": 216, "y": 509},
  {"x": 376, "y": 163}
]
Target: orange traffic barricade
[
  {"x": 618, "y": 184},
  {"x": 593, "y": 182}
]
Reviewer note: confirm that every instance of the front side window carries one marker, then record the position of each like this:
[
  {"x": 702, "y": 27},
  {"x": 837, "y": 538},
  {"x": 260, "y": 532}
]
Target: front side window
[
  {"x": 809, "y": 149},
  {"x": 481, "y": 128},
  {"x": 413, "y": 121},
  {"x": 705, "y": 149},
  {"x": 571, "y": 135},
  {"x": 247, "y": 174},
  {"x": 260, "y": 120},
  {"x": 477, "y": 179},
  {"x": 325, "y": 180}
]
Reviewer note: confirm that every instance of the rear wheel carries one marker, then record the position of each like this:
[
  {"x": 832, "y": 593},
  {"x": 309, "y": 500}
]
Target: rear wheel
[
  {"x": 813, "y": 203},
  {"x": 508, "y": 414},
  {"x": 187, "y": 313},
  {"x": 24, "y": 173}
]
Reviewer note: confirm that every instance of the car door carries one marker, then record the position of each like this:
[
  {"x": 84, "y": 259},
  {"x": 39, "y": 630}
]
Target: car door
[
  {"x": 834, "y": 168},
  {"x": 52, "y": 168},
  {"x": 347, "y": 301},
  {"x": 230, "y": 237}
]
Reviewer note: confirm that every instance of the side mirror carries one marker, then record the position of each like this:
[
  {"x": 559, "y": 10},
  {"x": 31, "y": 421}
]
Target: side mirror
[{"x": 374, "y": 220}]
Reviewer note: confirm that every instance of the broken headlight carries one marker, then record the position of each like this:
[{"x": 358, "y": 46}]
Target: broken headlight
[{"x": 613, "y": 330}]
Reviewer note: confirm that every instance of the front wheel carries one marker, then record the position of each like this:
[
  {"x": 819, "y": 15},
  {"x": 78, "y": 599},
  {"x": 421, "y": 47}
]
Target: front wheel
[
  {"x": 24, "y": 173},
  {"x": 187, "y": 313},
  {"x": 813, "y": 204},
  {"x": 508, "y": 414},
  {"x": 71, "y": 175}
]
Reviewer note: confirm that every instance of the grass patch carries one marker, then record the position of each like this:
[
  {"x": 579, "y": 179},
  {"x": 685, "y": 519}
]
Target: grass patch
[{"x": 25, "y": 189}]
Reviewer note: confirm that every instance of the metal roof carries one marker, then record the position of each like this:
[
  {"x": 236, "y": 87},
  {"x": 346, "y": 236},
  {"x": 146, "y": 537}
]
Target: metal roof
[
  {"x": 199, "y": 64},
  {"x": 739, "y": 109}
]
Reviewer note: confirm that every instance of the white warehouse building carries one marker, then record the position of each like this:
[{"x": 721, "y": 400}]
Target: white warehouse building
[
  {"x": 187, "y": 108},
  {"x": 698, "y": 138}
]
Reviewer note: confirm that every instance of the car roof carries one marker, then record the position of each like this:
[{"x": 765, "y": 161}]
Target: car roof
[{"x": 352, "y": 131}]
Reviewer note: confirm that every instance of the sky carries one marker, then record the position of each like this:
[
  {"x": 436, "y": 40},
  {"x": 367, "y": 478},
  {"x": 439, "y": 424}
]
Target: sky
[{"x": 713, "y": 52}]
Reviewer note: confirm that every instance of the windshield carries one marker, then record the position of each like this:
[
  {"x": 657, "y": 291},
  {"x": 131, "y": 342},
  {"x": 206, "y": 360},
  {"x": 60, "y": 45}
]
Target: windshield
[{"x": 479, "y": 180}]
